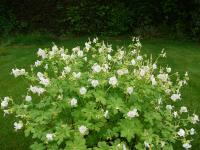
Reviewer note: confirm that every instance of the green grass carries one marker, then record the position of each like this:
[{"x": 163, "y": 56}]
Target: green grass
[{"x": 20, "y": 52}]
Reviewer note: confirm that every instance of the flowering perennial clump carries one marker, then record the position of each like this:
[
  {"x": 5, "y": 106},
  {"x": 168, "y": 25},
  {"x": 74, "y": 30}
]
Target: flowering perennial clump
[{"x": 101, "y": 98}]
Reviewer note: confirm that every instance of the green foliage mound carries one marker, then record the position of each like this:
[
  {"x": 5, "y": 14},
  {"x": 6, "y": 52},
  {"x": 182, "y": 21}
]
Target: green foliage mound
[{"x": 99, "y": 98}]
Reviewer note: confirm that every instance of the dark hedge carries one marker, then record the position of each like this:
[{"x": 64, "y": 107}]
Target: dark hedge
[{"x": 107, "y": 17}]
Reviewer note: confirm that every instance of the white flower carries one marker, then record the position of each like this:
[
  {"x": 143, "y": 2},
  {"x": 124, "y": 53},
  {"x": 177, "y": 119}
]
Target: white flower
[
  {"x": 183, "y": 109},
  {"x": 87, "y": 46},
  {"x": 163, "y": 77},
  {"x": 67, "y": 69},
  {"x": 28, "y": 98},
  {"x": 133, "y": 62},
  {"x": 133, "y": 113},
  {"x": 62, "y": 50},
  {"x": 100, "y": 50},
  {"x": 4, "y": 103},
  {"x": 76, "y": 49},
  {"x": 76, "y": 75},
  {"x": 54, "y": 48},
  {"x": 192, "y": 131},
  {"x": 41, "y": 53},
  {"x": 96, "y": 68},
  {"x": 6, "y": 112},
  {"x": 38, "y": 63},
  {"x": 146, "y": 144},
  {"x": 175, "y": 114},
  {"x": 122, "y": 71},
  {"x": 138, "y": 44},
  {"x": 109, "y": 57},
  {"x": 46, "y": 66},
  {"x": 105, "y": 67},
  {"x": 49, "y": 136},
  {"x": 18, "y": 72},
  {"x": 168, "y": 69},
  {"x": 37, "y": 90},
  {"x": 175, "y": 97},
  {"x": 73, "y": 102},
  {"x": 169, "y": 107},
  {"x": 53, "y": 51},
  {"x": 95, "y": 40},
  {"x": 106, "y": 114},
  {"x": 83, "y": 129},
  {"x": 18, "y": 125},
  {"x": 181, "y": 133},
  {"x": 133, "y": 52},
  {"x": 110, "y": 49},
  {"x": 139, "y": 58},
  {"x": 83, "y": 90},
  {"x": 187, "y": 145},
  {"x": 159, "y": 101},
  {"x": 94, "y": 83},
  {"x": 154, "y": 66},
  {"x": 153, "y": 80},
  {"x": 130, "y": 90},
  {"x": 40, "y": 75},
  {"x": 80, "y": 53},
  {"x": 43, "y": 80},
  {"x": 65, "y": 57},
  {"x": 194, "y": 119},
  {"x": 124, "y": 147},
  {"x": 113, "y": 81},
  {"x": 144, "y": 70}
]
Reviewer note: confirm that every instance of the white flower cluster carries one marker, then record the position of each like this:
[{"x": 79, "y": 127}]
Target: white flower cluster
[
  {"x": 130, "y": 90},
  {"x": 94, "y": 83},
  {"x": 42, "y": 53},
  {"x": 113, "y": 81},
  {"x": 123, "y": 71},
  {"x": 43, "y": 80},
  {"x": 73, "y": 102},
  {"x": 28, "y": 98},
  {"x": 49, "y": 136},
  {"x": 83, "y": 90},
  {"x": 133, "y": 113},
  {"x": 18, "y": 72},
  {"x": 4, "y": 102},
  {"x": 83, "y": 129},
  {"x": 37, "y": 90},
  {"x": 96, "y": 68},
  {"x": 18, "y": 125}
]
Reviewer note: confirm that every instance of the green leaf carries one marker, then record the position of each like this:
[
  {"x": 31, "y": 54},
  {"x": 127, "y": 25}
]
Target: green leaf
[
  {"x": 100, "y": 96},
  {"x": 102, "y": 146},
  {"x": 78, "y": 143},
  {"x": 37, "y": 146},
  {"x": 130, "y": 128}
]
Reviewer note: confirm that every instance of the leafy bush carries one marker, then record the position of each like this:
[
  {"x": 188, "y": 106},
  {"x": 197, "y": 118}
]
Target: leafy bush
[
  {"x": 100, "y": 98},
  {"x": 117, "y": 17}
]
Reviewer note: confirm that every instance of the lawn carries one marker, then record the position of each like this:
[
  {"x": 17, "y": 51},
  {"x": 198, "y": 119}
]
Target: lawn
[{"x": 183, "y": 55}]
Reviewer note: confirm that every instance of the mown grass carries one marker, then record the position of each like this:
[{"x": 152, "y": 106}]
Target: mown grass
[{"x": 20, "y": 52}]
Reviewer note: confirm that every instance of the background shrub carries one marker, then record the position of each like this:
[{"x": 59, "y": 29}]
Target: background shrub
[{"x": 180, "y": 17}]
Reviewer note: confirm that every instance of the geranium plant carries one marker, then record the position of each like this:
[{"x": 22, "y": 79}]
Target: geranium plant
[{"x": 99, "y": 98}]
